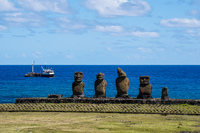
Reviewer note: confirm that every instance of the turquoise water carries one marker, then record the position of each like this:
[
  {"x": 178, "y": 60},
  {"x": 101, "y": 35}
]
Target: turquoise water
[{"x": 183, "y": 81}]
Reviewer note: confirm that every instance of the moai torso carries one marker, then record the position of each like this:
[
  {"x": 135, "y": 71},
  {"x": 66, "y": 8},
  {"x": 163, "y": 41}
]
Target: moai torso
[
  {"x": 145, "y": 89},
  {"x": 78, "y": 88},
  {"x": 100, "y": 86},
  {"x": 78, "y": 85},
  {"x": 122, "y": 83}
]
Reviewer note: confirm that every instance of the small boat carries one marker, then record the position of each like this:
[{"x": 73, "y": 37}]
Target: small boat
[{"x": 46, "y": 72}]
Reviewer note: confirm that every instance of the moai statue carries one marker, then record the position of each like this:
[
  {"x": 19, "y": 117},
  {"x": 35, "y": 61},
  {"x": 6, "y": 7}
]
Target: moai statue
[
  {"x": 165, "y": 93},
  {"x": 78, "y": 85},
  {"x": 145, "y": 89},
  {"x": 122, "y": 84},
  {"x": 100, "y": 86}
]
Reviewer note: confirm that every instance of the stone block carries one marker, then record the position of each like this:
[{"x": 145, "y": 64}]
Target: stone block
[{"x": 55, "y": 96}]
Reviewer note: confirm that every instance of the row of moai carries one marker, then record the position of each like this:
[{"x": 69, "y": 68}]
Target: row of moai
[{"x": 122, "y": 86}]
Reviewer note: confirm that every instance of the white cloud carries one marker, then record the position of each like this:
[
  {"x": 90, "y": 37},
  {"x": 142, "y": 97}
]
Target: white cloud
[
  {"x": 190, "y": 31},
  {"x": 194, "y": 13},
  {"x": 109, "y": 49},
  {"x": 6, "y": 6},
  {"x": 78, "y": 26},
  {"x": 144, "y": 50},
  {"x": 71, "y": 25},
  {"x": 13, "y": 14},
  {"x": 119, "y": 7},
  {"x": 22, "y": 18},
  {"x": 145, "y": 34},
  {"x": 115, "y": 30},
  {"x": 138, "y": 57},
  {"x": 195, "y": 32},
  {"x": 69, "y": 56},
  {"x": 59, "y": 6},
  {"x": 109, "y": 28},
  {"x": 24, "y": 55},
  {"x": 3, "y": 27},
  {"x": 64, "y": 19},
  {"x": 160, "y": 49},
  {"x": 7, "y": 56},
  {"x": 179, "y": 22},
  {"x": 128, "y": 57},
  {"x": 37, "y": 54}
]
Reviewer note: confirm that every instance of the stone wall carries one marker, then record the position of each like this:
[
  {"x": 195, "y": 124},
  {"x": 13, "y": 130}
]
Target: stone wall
[{"x": 109, "y": 100}]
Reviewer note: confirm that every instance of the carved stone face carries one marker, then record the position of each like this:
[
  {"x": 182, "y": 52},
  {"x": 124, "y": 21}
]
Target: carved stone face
[
  {"x": 165, "y": 91},
  {"x": 121, "y": 73},
  {"x": 100, "y": 76},
  {"x": 78, "y": 76},
  {"x": 144, "y": 80}
]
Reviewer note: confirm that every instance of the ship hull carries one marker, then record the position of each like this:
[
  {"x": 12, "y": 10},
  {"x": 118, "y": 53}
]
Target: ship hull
[
  {"x": 33, "y": 75},
  {"x": 39, "y": 75},
  {"x": 44, "y": 75}
]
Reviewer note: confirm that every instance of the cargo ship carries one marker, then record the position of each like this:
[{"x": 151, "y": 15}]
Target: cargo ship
[{"x": 46, "y": 72}]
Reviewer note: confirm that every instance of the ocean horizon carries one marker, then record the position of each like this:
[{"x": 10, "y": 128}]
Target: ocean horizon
[{"x": 182, "y": 80}]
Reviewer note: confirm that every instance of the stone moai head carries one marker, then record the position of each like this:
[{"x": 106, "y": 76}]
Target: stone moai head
[
  {"x": 165, "y": 91},
  {"x": 100, "y": 76},
  {"x": 121, "y": 73},
  {"x": 78, "y": 76},
  {"x": 144, "y": 80}
]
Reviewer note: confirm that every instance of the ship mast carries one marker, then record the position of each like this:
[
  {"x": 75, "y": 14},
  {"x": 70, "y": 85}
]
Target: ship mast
[{"x": 33, "y": 66}]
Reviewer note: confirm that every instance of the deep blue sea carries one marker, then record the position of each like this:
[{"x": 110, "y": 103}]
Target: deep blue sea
[{"x": 183, "y": 81}]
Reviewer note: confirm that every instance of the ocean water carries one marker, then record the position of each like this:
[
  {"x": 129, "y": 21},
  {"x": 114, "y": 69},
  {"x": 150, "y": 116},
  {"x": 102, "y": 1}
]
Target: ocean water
[{"x": 183, "y": 81}]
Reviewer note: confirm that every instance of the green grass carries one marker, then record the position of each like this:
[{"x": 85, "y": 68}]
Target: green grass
[
  {"x": 73, "y": 122},
  {"x": 103, "y": 108}
]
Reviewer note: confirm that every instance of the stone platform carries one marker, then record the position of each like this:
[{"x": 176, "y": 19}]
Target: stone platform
[{"x": 109, "y": 100}]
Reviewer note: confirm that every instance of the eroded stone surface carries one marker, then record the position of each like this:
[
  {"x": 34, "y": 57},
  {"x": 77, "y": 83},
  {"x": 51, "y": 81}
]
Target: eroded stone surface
[
  {"x": 55, "y": 96},
  {"x": 78, "y": 85},
  {"x": 165, "y": 93},
  {"x": 145, "y": 89},
  {"x": 109, "y": 100},
  {"x": 100, "y": 86},
  {"x": 122, "y": 84}
]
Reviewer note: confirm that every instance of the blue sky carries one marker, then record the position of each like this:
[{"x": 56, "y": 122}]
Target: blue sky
[{"x": 100, "y": 32}]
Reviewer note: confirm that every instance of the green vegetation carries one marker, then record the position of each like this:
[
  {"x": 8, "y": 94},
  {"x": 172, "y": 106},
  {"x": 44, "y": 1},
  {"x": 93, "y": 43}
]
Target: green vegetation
[
  {"x": 73, "y": 122},
  {"x": 102, "y": 108}
]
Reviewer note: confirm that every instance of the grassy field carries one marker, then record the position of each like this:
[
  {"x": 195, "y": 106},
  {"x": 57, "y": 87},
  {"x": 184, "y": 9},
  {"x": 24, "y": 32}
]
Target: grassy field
[
  {"x": 61, "y": 122},
  {"x": 101, "y": 118}
]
